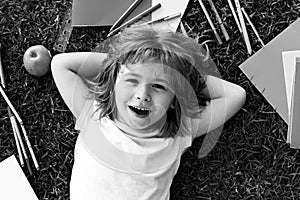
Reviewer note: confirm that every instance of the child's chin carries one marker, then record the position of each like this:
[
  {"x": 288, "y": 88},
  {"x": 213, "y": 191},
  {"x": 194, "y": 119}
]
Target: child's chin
[
  {"x": 140, "y": 125},
  {"x": 145, "y": 125}
]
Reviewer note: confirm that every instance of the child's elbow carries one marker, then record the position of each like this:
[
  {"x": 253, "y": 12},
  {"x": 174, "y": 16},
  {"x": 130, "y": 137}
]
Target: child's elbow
[
  {"x": 58, "y": 64},
  {"x": 55, "y": 61},
  {"x": 240, "y": 95}
]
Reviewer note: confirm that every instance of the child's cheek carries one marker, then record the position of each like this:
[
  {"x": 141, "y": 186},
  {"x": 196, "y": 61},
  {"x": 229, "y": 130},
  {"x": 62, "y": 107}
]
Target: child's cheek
[{"x": 119, "y": 78}]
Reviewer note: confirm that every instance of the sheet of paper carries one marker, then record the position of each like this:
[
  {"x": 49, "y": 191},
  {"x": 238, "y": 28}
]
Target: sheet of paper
[
  {"x": 13, "y": 182},
  {"x": 265, "y": 69},
  {"x": 289, "y": 64},
  {"x": 294, "y": 126},
  {"x": 107, "y": 12},
  {"x": 103, "y": 12},
  {"x": 169, "y": 7}
]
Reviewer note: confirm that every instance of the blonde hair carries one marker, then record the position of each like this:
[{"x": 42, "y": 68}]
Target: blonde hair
[{"x": 149, "y": 44}]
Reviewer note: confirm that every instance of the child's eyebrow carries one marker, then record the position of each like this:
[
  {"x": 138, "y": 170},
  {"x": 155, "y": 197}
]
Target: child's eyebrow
[
  {"x": 140, "y": 76},
  {"x": 162, "y": 80},
  {"x": 132, "y": 74}
]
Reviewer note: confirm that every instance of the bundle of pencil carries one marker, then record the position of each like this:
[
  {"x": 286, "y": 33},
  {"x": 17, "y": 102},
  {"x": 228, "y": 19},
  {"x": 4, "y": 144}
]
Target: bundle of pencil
[
  {"x": 219, "y": 20},
  {"x": 223, "y": 29},
  {"x": 118, "y": 25},
  {"x": 239, "y": 19},
  {"x": 210, "y": 22},
  {"x": 14, "y": 119},
  {"x": 115, "y": 28}
]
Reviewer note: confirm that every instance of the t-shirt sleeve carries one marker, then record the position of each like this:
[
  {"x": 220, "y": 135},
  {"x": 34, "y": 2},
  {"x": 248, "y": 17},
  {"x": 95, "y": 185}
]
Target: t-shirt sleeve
[
  {"x": 187, "y": 127},
  {"x": 194, "y": 124},
  {"x": 85, "y": 115},
  {"x": 200, "y": 126}
]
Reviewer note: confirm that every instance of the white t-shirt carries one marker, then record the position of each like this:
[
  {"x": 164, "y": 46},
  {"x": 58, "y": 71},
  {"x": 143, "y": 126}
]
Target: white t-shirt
[{"x": 112, "y": 165}]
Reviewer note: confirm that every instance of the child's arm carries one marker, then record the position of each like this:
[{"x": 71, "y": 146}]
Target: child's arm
[
  {"x": 68, "y": 69},
  {"x": 226, "y": 100}
]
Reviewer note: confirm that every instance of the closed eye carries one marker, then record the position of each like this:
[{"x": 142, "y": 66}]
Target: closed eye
[
  {"x": 132, "y": 81},
  {"x": 158, "y": 86}
]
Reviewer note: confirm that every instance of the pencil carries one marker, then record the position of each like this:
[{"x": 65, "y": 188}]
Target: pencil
[
  {"x": 243, "y": 25},
  {"x": 210, "y": 22},
  {"x": 235, "y": 16},
  {"x": 22, "y": 126},
  {"x": 10, "y": 116},
  {"x": 30, "y": 147},
  {"x": 135, "y": 19},
  {"x": 126, "y": 14},
  {"x": 223, "y": 29},
  {"x": 183, "y": 31},
  {"x": 15, "y": 127},
  {"x": 166, "y": 18},
  {"x": 1, "y": 73},
  {"x": 253, "y": 27},
  {"x": 9, "y": 104},
  {"x": 16, "y": 137}
]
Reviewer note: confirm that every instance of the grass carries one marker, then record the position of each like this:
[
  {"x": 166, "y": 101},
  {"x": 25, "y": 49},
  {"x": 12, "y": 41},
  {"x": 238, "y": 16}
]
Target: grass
[{"x": 251, "y": 159}]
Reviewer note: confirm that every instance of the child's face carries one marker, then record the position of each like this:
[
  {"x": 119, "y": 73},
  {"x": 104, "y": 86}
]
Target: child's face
[{"x": 143, "y": 95}]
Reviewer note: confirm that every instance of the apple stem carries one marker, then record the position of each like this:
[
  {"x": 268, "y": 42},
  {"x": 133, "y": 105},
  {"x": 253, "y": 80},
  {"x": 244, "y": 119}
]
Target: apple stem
[{"x": 33, "y": 54}]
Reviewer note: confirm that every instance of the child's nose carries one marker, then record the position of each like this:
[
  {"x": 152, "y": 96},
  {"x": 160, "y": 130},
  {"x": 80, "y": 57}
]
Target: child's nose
[{"x": 142, "y": 93}]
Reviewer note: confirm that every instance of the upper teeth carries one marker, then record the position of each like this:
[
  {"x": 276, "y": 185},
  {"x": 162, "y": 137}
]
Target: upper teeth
[{"x": 139, "y": 108}]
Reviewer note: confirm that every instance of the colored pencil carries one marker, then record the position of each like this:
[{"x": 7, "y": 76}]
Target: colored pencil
[
  {"x": 253, "y": 27},
  {"x": 126, "y": 14},
  {"x": 135, "y": 19},
  {"x": 1, "y": 73},
  {"x": 210, "y": 22},
  {"x": 29, "y": 147},
  {"x": 243, "y": 25},
  {"x": 166, "y": 18},
  {"x": 15, "y": 126},
  {"x": 22, "y": 126},
  {"x": 17, "y": 144},
  {"x": 183, "y": 31},
  {"x": 17, "y": 141},
  {"x": 235, "y": 16},
  {"x": 223, "y": 29}
]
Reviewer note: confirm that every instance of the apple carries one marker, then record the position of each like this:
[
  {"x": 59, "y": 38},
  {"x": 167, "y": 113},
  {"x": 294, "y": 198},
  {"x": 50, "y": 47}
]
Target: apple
[{"x": 37, "y": 60}]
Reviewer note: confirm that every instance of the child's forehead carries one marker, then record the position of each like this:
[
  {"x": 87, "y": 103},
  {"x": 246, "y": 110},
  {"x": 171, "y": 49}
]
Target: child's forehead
[
  {"x": 147, "y": 71},
  {"x": 145, "y": 68}
]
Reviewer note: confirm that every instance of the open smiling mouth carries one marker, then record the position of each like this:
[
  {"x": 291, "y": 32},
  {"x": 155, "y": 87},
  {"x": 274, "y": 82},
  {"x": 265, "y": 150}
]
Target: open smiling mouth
[{"x": 139, "y": 112}]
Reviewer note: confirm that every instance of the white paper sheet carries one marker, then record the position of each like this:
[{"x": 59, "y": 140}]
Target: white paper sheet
[
  {"x": 107, "y": 12},
  {"x": 103, "y": 12},
  {"x": 293, "y": 136},
  {"x": 289, "y": 64},
  {"x": 13, "y": 182},
  {"x": 265, "y": 68},
  {"x": 170, "y": 7}
]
